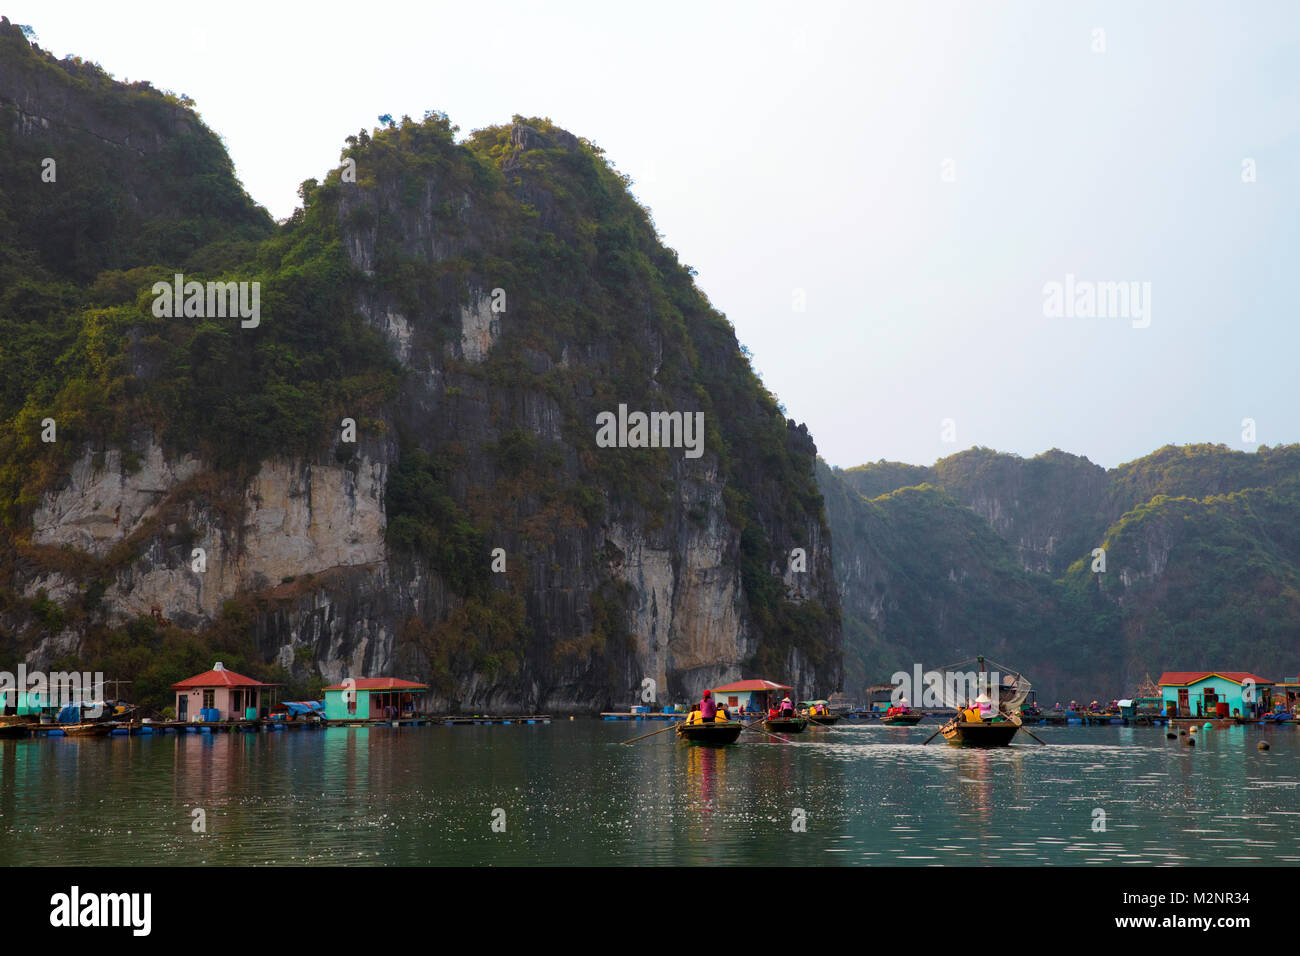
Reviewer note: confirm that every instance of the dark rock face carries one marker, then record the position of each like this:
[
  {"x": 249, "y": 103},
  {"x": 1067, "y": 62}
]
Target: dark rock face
[
  {"x": 994, "y": 554},
  {"x": 476, "y": 535}
]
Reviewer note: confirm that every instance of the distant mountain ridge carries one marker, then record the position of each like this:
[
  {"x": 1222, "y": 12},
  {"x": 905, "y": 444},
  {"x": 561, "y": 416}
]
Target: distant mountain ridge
[{"x": 990, "y": 551}]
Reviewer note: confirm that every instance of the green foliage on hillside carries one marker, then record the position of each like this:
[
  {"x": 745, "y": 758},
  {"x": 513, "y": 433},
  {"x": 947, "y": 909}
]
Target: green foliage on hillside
[
  {"x": 612, "y": 317},
  {"x": 150, "y": 184},
  {"x": 1202, "y": 563},
  {"x": 582, "y": 260}
]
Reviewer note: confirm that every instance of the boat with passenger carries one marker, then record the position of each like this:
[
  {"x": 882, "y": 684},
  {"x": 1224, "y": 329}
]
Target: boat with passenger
[
  {"x": 819, "y": 712},
  {"x": 985, "y": 721}
]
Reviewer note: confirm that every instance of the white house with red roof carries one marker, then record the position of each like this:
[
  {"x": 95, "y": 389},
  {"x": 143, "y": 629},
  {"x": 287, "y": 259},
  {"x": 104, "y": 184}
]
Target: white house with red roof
[
  {"x": 1215, "y": 693},
  {"x": 219, "y": 689}
]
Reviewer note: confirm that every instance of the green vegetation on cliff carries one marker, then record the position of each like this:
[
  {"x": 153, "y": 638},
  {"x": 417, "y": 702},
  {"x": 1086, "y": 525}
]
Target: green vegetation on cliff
[
  {"x": 1202, "y": 558},
  {"x": 500, "y": 450}
]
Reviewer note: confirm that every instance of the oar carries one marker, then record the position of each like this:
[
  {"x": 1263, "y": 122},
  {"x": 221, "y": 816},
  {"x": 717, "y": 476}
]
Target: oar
[
  {"x": 671, "y": 724},
  {"x": 1022, "y": 726},
  {"x": 936, "y": 733},
  {"x": 940, "y": 730}
]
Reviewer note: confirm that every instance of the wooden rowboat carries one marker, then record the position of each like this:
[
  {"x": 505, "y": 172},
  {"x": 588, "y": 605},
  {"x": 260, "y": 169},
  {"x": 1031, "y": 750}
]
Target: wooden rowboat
[
  {"x": 719, "y": 733},
  {"x": 979, "y": 733},
  {"x": 86, "y": 730},
  {"x": 784, "y": 725},
  {"x": 902, "y": 720},
  {"x": 826, "y": 720}
]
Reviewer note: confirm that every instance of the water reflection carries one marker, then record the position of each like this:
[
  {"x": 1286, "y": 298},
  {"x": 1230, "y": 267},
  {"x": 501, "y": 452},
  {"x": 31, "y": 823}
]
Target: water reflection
[{"x": 571, "y": 793}]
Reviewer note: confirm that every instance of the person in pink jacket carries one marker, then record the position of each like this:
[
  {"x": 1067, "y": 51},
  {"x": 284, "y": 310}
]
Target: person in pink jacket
[{"x": 708, "y": 710}]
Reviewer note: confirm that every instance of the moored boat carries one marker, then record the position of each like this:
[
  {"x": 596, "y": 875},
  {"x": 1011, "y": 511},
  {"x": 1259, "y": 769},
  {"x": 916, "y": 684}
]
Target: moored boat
[
  {"x": 14, "y": 729},
  {"x": 719, "y": 733},
  {"x": 92, "y": 729}
]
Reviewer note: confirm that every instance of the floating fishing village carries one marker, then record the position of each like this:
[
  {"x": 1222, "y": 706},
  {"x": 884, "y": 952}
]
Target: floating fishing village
[{"x": 1001, "y": 703}]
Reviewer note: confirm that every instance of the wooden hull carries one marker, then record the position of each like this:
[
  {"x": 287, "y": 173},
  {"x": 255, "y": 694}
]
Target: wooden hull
[
  {"x": 980, "y": 733},
  {"x": 794, "y": 726},
  {"x": 825, "y": 720},
  {"x": 14, "y": 729},
  {"x": 86, "y": 730},
  {"x": 902, "y": 720},
  {"x": 717, "y": 734}
]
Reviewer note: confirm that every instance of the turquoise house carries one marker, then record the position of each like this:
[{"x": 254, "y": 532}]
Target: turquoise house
[
  {"x": 1215, "y": 694},
  {"x": 372, "y": 698},
  {"x": 24, "y": 703}
]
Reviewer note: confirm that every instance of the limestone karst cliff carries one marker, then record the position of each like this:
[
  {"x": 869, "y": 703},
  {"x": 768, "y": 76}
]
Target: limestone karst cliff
[
  {"x": 396, "y": 470},
  {"x": 1086, "y": 578}
]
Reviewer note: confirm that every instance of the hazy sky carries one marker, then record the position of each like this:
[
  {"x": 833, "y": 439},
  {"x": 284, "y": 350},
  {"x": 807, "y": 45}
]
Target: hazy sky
[{"x": 915, "y": 171}]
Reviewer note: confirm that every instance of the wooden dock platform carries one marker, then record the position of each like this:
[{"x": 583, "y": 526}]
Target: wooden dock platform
[
  {"x": 265, "y": 725},
  {"x": 628, "y": 715}
]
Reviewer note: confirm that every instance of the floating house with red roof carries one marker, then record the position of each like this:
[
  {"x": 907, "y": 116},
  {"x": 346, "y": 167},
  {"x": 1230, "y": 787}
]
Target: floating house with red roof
[
  {"x": 1198, "y": 694},
  {"x": 750, "y": 695},
  {"x": 218, "y": 694},
  {"x": 372, "y": 698}
]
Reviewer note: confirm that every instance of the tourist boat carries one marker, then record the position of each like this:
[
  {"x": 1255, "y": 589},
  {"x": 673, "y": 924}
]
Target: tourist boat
[
  {"x": 825, "y": 718},
  {"x": 902, "y": 720},
  {"x": 980, "y": 733},
  {"x": 86, "y": 729},
  {"x": 719, "y": 733},
  {"x": 786, "y": 725}
]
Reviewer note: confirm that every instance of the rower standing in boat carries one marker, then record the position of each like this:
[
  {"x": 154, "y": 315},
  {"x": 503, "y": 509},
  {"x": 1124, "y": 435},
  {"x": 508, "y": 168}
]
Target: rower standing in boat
[{"x": 787, "y": 708}]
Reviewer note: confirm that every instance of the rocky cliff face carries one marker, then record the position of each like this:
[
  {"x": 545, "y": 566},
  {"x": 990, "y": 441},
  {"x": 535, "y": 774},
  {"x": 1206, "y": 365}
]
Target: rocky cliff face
[
  {"x": 1048, "y": 507},
  {"x": 996, "y": 556},
  {"x": 474, "y": 534}
]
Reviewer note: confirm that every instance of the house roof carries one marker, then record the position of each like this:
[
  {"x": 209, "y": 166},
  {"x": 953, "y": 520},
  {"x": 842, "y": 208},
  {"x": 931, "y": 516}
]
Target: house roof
[
  {"x": 219, "y": 677},
  {"x": 743, "y": 685},
  {"x": 1183, "y": 678},
  {"x": 379, "y": 683}
]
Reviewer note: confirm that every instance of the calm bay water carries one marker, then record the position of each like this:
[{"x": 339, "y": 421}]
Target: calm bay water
[{"x": 571, "y": 795}]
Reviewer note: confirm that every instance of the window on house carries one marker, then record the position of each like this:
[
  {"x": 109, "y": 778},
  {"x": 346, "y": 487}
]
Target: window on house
[{"x": 209, "y": 699}]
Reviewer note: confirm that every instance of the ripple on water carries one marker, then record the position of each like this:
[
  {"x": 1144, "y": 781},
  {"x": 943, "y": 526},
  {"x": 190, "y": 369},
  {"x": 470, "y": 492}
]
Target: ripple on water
[{"x": 570, "y": 794}]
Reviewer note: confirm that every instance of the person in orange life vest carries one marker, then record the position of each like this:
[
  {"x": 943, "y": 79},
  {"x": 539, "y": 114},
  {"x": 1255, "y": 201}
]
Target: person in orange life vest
[{"x": 708, "y": 710}]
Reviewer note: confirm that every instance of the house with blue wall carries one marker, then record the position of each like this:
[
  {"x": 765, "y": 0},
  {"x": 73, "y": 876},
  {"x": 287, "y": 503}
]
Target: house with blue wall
[
  {"x": 1215, "y": 693},
  {"x": 373, "y": 698}
]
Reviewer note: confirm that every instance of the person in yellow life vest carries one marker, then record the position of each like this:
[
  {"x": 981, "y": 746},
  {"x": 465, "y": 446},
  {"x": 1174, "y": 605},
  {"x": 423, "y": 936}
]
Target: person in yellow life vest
[
  {"x": 722, "y": 713},
  {"x": 971, "y": 714}
]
